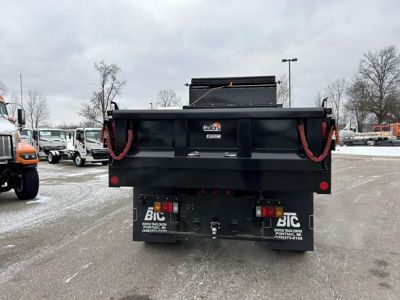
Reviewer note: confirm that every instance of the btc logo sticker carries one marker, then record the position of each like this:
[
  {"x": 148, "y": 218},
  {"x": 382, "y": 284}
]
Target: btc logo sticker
[
  {"x": 153, "y": 216},
  {"x": 288, "y": 220}
]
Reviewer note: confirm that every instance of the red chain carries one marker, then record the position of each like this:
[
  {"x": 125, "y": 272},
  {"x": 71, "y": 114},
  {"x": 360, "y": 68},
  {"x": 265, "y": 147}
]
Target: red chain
[
  {"x": 106, "y": 134},
  {"x": 307, "y": 150}
]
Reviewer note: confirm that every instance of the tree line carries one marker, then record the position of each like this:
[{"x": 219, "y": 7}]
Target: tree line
[
  {"x": 94, "y": 111},
  {"x": 371, "y": 96},
  {"x": 34, "y": 103}
]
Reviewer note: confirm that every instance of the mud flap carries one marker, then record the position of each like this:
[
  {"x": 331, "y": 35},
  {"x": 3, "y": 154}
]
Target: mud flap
[
  {"x": 296, "y": 228},
  {"x": 147, "y": 223}
]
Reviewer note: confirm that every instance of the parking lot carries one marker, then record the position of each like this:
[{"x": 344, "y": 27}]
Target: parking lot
[{"x": 74, "y": 242}]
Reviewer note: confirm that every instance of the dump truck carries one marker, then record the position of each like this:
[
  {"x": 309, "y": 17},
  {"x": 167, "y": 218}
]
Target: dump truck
[
  {"x": 233, "y": 164},
  {"x": 18, "y": 160}
]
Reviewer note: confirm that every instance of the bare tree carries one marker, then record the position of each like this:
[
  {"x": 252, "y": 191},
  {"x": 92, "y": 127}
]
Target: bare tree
[
  {"x": 37, "y": 112},
  {"x": 358, "y": 103},
  {"x": 13, "y": 105},
  {"x": 168, "y": 97},
  {"x": 396, "y": 109},
  {"x": 282, "y": 93},
  {"x": 109, "y": 88},
  {"x": 381, "y": 73},
  {"x": 335, "y": 92}
]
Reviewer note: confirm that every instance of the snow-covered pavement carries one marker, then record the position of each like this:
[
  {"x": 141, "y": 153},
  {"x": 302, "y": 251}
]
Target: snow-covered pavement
[
  {"x": 65, "y": 190},
  {"x": 368, "y": 150},
  {"x": 75, "y": 242}
]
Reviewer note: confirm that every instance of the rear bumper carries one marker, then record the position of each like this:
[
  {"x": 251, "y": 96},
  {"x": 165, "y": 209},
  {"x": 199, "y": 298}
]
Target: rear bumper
[{"x": 230, "y": 217}]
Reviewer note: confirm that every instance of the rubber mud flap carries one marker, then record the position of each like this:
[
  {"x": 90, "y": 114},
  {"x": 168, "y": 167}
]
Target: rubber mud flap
[{"x": 149, "y": 226}]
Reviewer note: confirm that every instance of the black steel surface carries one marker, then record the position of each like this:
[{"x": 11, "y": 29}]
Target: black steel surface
[
  {"x": 234, "y": 214},
  {"x": 221, "y": 113}
]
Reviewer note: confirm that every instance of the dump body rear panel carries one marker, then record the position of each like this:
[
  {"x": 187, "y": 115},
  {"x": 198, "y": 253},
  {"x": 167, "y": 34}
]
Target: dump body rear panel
[
  {"x": 253, "y": 149},
  {"x": 231, "y": 165}
]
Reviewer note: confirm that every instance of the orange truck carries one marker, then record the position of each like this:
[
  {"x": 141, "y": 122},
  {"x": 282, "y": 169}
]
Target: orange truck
[
  {"x": 396, "y": 130},
  {"x": 18, "y": 160}
]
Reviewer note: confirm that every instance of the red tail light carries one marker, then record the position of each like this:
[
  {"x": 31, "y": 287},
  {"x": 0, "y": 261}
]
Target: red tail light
[
  {"x": 167, "y": 207},
  {"x": 114, "y": 180},
  {"x": 269, "y": 211},
  {"x": 228, "y": 192},
  {"x": 324, "y": 186}
]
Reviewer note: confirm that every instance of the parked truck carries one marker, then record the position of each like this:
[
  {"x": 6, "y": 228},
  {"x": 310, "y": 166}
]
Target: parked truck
[
  {"x": 231, "y": 165},
  {"x": 18, "y": 160},
  {"x": 381, "y": 135},
  {"x": 47, "y": 139},
  {"x": 83, "y": 145}
]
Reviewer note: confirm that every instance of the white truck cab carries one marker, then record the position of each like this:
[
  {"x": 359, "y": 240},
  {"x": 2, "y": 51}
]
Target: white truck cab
[
  {"x": 48, "y": 139},
  {"x": 83, "y": 145}
]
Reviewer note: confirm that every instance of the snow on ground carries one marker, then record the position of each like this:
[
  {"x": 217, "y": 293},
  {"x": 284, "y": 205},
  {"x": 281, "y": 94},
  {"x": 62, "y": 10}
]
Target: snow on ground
[
  {"x": 38, "y": 199},
  {"x": 368, "y": 150},
  {"x": 64, "y": 191}
]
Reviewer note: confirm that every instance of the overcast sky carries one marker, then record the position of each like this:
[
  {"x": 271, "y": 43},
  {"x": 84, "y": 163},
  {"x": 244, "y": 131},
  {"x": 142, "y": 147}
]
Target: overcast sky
[{"x": 162, "y": 44}]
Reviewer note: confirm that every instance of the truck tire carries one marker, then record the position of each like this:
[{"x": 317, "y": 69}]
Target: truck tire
[
  {"x": 53, "y": 159},
  {"x": 29, "y": 185},
  {"x": 78, "y": 160}
]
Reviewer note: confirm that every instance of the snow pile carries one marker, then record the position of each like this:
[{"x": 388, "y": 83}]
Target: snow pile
[
  {"x": 368, "y": 150},
  {"x": 38, "y": 199}
]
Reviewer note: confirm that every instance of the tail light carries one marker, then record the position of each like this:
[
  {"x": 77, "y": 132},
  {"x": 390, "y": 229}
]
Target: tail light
[
  {"x": 324, "y": 186},
  {"x": 114, "y": 180},
  {"x": 265, "y": 211},
  {"x": 268, "y": 211},
  {"x": 278, "y": 212},
  {"x": 228, "y": 192},
  {"x": 202, "y": 191},
  {"x": 168, "y": 207}
]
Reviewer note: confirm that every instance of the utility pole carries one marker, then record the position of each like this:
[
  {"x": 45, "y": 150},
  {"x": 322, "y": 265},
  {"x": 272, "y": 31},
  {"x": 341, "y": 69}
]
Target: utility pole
[
  {"x": 20, "y": 84},
  {"x": 289, "y": 60}
]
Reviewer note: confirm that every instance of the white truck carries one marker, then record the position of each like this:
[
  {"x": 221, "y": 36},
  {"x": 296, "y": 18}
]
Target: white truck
[
  {"x": 82, "y": 145},
  {"x": 48, "y": 139}
]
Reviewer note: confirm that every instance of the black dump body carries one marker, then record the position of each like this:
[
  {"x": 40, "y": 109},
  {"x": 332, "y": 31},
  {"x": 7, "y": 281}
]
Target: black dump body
[
  {"x": 257, "y": 149},
  {"x": 251, "y": 149}
]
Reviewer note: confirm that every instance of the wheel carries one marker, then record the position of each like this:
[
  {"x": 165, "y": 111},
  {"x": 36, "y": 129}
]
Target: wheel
[
  {"x": 78, "y": 160},
  {"x": 53, "y": 159},
  {"x": 104, "y": 163},
  {"x": 28, "y": 186}
]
